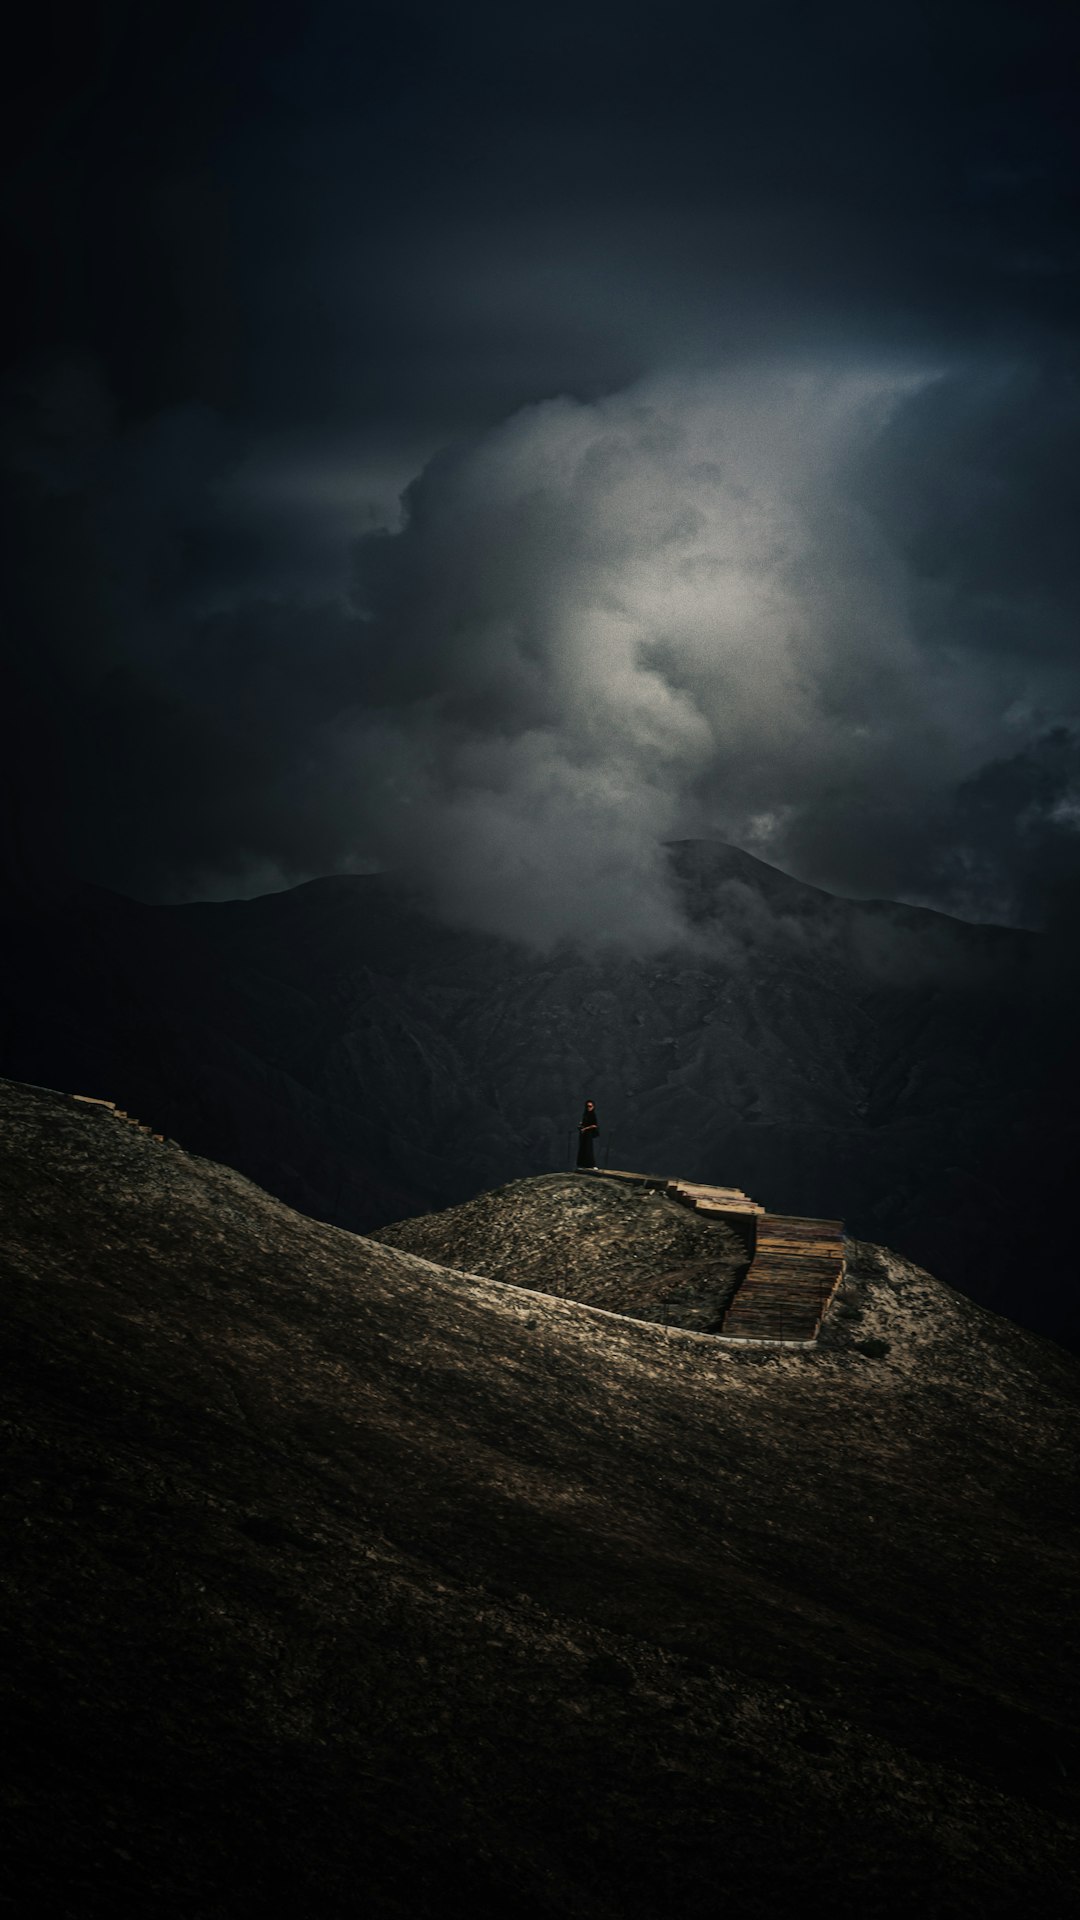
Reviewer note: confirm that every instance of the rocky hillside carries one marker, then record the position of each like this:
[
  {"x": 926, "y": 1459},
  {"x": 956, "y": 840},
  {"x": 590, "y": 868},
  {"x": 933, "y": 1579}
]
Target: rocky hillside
[
  {"x": 584, "y": 1237},
  {"x": 343, "y": 1581},
  {"x": 912, "y": 1074}
]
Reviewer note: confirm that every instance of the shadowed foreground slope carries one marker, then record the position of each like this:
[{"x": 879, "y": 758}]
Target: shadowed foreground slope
[{"x": 355, "y": 1585}]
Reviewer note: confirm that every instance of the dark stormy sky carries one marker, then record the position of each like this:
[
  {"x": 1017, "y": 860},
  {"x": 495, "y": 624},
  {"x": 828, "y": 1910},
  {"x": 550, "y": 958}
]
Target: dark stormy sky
[{"x": 488, "y": 441}]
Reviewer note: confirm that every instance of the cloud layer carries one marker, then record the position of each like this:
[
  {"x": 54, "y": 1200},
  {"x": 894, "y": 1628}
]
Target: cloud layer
[
  {"x": 492, "y": 443},
  {"x": 791, "y": 607}
]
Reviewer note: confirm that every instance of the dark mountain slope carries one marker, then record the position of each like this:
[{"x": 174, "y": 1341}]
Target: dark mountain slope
[
  {"x": 341, "y": 1582},
  {"x": 363, "y": 1062}
]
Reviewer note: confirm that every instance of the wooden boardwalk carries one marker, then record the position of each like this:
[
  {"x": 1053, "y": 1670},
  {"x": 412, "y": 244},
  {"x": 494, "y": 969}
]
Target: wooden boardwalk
[
  {"x": 727, "y": 1202},
  {"x": 797, "y": 1266}
]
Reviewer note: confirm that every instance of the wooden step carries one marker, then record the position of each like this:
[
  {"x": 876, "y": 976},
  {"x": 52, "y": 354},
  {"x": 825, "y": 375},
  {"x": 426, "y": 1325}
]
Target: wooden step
[
  {"x": 797, "y": 1266},
  {"x": 712, "y": 1199}
]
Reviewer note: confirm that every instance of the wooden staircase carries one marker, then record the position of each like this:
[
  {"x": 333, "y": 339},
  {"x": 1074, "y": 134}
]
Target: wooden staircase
[
  {"x": 728, "y": 1202},
  {"x": 797, "y": 1267}
]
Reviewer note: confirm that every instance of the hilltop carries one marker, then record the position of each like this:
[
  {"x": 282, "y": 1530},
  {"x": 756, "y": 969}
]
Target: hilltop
[
  {"x": 581, "y": 1236},
  {"x": 347, "y": 1581}
]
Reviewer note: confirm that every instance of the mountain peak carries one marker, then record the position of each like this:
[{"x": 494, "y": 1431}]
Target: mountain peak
[{"x": 703, "y": 865}]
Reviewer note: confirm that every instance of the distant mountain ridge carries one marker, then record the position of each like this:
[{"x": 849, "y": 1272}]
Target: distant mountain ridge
[{"x": 859, "y": 1059}]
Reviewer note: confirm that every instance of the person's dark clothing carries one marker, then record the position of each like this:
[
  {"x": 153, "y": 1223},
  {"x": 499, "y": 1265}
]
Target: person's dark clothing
[{"x": 587, "y": 1132}]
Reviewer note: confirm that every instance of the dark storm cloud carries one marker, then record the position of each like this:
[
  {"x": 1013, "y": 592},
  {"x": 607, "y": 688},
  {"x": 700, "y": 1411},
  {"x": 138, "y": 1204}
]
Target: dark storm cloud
[
  {"x": 438, "y": 215},
  {"x": 753, "y": 340},
  {"x": 171, "y": 712},
  {"x": 972, "y": 485},
  {"x": 1015, "y": 828},
  {"x": 685, "y": 609}
]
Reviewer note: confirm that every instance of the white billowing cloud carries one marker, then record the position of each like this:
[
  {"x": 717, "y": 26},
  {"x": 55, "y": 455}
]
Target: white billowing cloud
[
  {"x": 827, "y": 615},
  {"x": 606, "y": 624}
]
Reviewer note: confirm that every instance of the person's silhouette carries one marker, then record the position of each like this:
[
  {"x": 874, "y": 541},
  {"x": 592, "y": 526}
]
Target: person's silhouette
[{"x": 587, "y": 1132}]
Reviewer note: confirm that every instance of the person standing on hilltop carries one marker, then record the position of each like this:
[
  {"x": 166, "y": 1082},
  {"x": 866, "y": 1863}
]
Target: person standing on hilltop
[{"x": 587, "y": 1132}]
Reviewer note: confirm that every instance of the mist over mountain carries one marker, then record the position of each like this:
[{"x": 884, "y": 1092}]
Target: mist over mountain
[{"x": 363, "y": 1060}]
